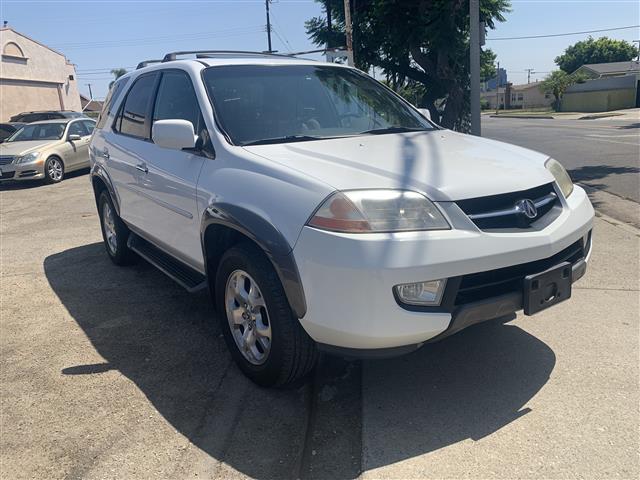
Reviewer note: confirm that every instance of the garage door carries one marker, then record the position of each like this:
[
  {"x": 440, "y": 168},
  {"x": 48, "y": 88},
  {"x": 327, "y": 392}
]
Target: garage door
[{"x": 17, "y": 97}]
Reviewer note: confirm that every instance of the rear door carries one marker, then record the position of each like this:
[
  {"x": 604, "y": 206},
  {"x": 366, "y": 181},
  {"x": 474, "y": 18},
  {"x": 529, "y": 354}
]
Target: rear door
[
  {"x": 125, "y": 147},
  {"x": 168, "y": 186}
]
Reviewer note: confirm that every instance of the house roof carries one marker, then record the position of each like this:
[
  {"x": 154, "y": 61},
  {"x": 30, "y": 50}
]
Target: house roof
[
  {"x": 613, "y": 67},
  {"x": 2, "y": 29},
  {"x": 525, "y": 86}
]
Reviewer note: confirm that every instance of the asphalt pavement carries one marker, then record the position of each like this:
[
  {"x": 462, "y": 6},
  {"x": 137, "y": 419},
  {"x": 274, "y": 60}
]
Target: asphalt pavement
[
  {"x": 603, "y": 154},
  {"x": 110, "y": 372}
]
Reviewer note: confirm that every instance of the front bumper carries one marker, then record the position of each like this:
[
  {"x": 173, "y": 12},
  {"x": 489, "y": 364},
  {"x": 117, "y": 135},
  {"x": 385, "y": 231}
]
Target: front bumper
[
  {"x": 22, "y": 171},
  {"x": 348, "y": 278}
]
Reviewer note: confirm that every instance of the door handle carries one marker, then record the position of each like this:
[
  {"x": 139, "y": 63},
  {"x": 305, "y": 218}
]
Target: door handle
[
  {"x": 142, "y": 167},
  {"x": 105, "y": 154}
]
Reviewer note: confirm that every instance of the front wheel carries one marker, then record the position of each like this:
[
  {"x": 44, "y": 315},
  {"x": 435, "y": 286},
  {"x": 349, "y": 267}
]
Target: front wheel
[
  {"x": 53, "y": 170},
  {"x": 264, "y": 336}
]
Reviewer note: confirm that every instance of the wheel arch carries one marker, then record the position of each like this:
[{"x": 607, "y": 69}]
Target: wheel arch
[
  {"x": 100, "y": 181},
  {"x": 226, "y": 225}
]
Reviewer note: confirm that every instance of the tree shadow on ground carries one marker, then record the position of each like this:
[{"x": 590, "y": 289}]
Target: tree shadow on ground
[
  {"x": 164, "y": 340},
  {"x": 588, "y": 173},
  {"x": 628, "y": 127}
]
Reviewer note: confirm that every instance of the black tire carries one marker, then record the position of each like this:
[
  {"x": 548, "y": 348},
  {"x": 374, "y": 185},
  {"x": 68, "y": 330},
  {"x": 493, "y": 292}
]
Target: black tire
[
  {"x": 49, "y": 175},
  {"x": 292, "y": 353},
  {"x": 118, "y": 251}
]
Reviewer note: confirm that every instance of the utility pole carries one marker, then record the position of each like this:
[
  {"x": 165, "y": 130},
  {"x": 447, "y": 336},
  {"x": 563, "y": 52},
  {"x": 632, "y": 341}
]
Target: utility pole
[
  {"x": 349, "y": 31},
  {"x": 474, "y": 52},
  {"x": 529, "y": 72},
  {"x": 498, "y": 90},
  {"x": 90, "y": 93},
  {"x": 327, "y": 7},
  {"x": 266, "y": 4}
]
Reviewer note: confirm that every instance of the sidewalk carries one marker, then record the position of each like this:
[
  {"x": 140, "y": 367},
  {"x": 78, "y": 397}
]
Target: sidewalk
[
  {"x": 549, "y": 396},
  {"x": 626, "y": 114}
]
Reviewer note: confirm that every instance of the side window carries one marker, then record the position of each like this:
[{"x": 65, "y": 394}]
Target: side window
[
  {"x": 176, "y": 99},
  {"x": 133, "y": 115},
  {"x": 89, "y": 126},
  {"x": 112, "y": 97},
  {"x": 77, "y": 128}
]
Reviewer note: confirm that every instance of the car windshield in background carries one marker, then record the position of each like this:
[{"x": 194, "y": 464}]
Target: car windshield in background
[
  {"x": 261, "y": 104},
  {"x": 42, "y": 131}
]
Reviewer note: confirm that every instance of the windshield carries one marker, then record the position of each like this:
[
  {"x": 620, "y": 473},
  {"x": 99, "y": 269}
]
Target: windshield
[
  {"x": 40, "y": 131},
  {"x": 275, "y": 103}
]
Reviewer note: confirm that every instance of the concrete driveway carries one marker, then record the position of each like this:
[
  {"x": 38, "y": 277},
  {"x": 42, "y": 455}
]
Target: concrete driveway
[{"x": 114, "y": 372}]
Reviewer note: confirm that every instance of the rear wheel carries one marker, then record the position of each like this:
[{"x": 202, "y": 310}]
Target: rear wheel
[
  {"x": 264, "y": 336},
  {"x": 114, "y": 232},
  {"x": 53, "y": 170}
]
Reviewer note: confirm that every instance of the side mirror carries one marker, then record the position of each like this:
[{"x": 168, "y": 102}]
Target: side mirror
[
  {"x": 74, "y": 137},
  {"x": 174, "y": 134},
  {"x": 425, "y": 113}
]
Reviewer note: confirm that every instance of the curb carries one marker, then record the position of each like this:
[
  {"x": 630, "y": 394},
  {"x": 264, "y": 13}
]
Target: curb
[
  {"x": 543, "y": 117},
  {"x": 600, "y": 115}
]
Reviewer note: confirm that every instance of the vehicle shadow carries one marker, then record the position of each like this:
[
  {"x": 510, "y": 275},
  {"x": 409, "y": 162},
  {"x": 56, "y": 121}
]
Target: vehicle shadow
[
  {"x": 26, "y": 184},
  {"x": 164, "y": 340}
]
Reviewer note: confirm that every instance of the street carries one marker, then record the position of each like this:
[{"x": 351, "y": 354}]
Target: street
[
  {"x": 118, "y": 372},
  {"x": 604, "y": 153}
]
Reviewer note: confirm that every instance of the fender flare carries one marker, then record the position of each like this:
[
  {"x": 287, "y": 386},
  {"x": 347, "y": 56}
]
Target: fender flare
[
  {"x": 268, "y": 238},
  {"x": 98, "y": 172}
]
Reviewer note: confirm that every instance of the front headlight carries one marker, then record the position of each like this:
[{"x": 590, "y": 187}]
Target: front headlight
[
  {"x": 369, "y": 211},
  {"x": 560, "y": 174},
  {"x": 28, "y": 158}
]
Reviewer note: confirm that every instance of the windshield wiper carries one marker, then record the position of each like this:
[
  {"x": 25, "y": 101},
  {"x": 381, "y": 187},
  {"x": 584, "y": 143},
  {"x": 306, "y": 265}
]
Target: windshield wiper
[
  {"x": 379, "y": 131},
  {"x": 286, "y": 139}
]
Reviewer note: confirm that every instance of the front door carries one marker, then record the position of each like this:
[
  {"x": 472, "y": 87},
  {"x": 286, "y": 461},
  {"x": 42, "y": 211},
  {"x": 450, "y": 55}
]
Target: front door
[
  {"x": 168, "y": 185},
  {"x": 78, "y": 152}
]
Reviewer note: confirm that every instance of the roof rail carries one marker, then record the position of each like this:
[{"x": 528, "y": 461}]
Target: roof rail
[
  {"x": 169, "y": 57},
  {"x": 146, "y": 63}
]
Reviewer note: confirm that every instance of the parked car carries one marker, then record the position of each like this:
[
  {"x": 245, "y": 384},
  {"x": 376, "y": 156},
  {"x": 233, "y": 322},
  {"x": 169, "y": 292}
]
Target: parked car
[
  {"x": 324, "y": 212},
  {"x": 29, "y": 117},
  {"x": 46, "y": 150},
  {"x": 8, "y": 129}
]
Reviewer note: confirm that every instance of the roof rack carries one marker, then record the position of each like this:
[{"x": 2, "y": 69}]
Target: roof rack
[
  {"x": 170, "y": 57},
  {"x": 147, "y": 63}
]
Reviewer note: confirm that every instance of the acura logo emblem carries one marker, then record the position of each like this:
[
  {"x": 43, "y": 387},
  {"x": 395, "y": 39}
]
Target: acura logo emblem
[{"x": 527, "y": 207}]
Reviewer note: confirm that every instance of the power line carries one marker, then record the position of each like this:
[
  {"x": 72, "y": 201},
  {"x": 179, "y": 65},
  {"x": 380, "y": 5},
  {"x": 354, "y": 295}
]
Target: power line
[{"x": 564, "y": 34}]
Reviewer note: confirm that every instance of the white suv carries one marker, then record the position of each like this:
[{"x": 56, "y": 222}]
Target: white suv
[{"x": 323, "y": 211}]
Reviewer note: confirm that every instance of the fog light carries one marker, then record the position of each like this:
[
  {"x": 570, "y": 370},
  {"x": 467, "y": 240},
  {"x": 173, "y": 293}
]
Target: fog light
[{"x": 421, "y": 293}]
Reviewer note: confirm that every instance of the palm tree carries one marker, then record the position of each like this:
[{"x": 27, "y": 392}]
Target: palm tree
[{"x": 117, "y": 72}]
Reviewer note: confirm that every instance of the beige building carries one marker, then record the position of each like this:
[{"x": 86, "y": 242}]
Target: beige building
[
  {"x": 529, "y": 95},
  {"x": 34, "y": 77},
  {"x": 520, "y": 97}
]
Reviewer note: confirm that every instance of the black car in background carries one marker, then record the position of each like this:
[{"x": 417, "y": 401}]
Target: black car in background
[
  {"x": 28, "y": 117},
  {"x": 8, "y": 129}
]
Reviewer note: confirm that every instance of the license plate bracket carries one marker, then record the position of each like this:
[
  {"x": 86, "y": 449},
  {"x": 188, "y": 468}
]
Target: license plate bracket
[{"x": 545, "y": 289}]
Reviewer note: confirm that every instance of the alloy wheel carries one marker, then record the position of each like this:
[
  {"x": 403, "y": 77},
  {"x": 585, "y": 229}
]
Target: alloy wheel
[
  {"x": 109, "y": 227},
  {"x": 248, "y": 317},
  {"x": 54, "y": 169}
]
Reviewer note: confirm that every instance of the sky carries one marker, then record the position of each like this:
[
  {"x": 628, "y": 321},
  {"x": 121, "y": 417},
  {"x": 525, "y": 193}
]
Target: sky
[{"x": 99, "y": 35}]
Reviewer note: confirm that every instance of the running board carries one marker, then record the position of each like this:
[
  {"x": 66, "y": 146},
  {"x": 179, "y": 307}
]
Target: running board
[{"x": 183, "y": 274}]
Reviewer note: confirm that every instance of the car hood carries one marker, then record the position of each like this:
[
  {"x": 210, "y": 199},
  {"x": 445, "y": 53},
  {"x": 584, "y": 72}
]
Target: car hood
[
  {"x": 442, "y": 164},
  {"x": 22, "y": 148}
]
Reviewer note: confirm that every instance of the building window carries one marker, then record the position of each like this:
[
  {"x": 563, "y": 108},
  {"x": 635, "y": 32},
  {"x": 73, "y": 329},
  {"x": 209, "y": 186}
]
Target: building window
[
  {"x": 513, "y": 97},
  {"x": 520, "y": 96},
  {"x": 12, "y": 49}
]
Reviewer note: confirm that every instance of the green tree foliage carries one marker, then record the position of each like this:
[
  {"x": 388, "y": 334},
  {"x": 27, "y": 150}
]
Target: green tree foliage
[
  {"x": 422, "y": 45},
  {"x": 557, "y": 83},
  {"x": 487, "y": 64},
  {"x": 117, "y": 73},
  {"x": 601, "y": 50}
]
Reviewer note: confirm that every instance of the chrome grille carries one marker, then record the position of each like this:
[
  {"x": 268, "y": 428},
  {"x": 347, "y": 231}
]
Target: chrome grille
[
  {"x": 503, "y": 211},
  {"x": 6, "y": 160}
]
